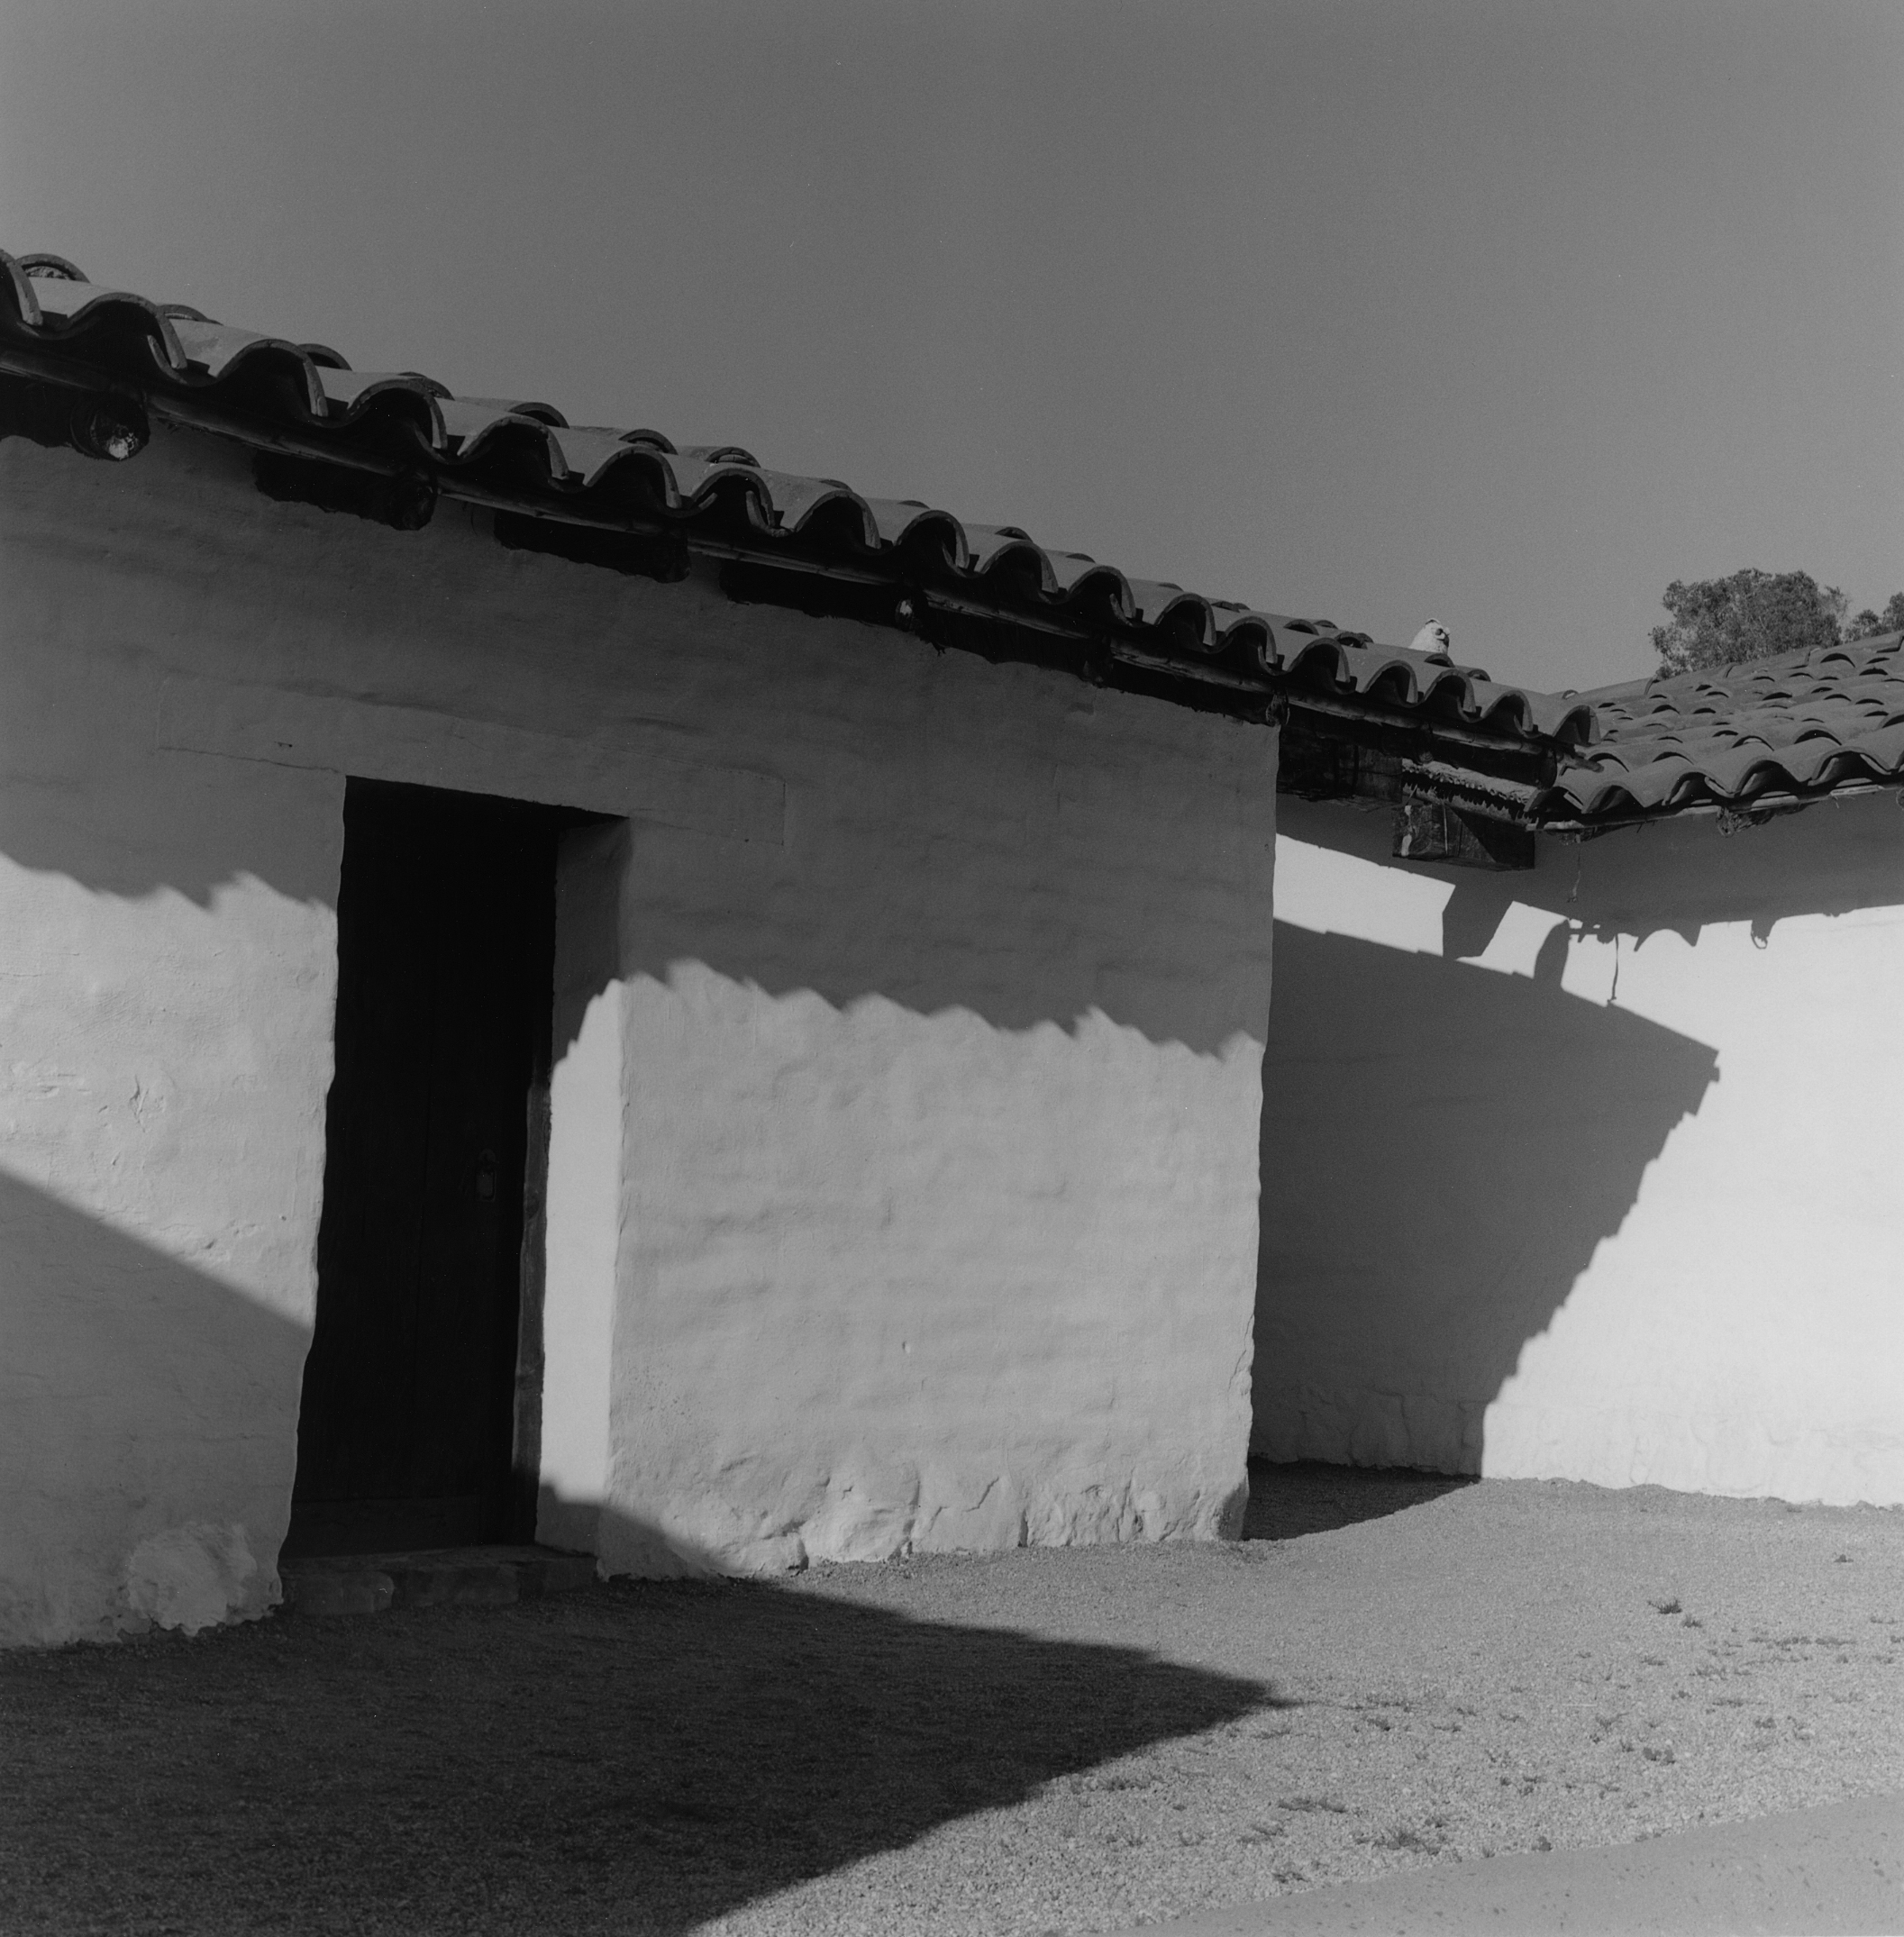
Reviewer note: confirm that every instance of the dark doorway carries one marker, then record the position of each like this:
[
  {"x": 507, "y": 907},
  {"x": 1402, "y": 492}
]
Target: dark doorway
[{"x": 411, "y": 1432}]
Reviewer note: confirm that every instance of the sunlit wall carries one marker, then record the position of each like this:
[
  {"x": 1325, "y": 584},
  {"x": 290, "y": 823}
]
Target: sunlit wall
[{"x": 1594, "y": 1170}]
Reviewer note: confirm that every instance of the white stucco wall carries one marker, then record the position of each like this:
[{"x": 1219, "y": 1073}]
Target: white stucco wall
[
  {"x": 921, "y": 1002},
  {"x": 1595, "y": 1171},
  {"x": 584, "y": 1223},
  {"x": 935, "y": 1214}
]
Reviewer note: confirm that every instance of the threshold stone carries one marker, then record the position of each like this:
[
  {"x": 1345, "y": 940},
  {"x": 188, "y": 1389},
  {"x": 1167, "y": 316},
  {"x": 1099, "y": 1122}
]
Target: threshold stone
[{"x": 448, "y": 1576}]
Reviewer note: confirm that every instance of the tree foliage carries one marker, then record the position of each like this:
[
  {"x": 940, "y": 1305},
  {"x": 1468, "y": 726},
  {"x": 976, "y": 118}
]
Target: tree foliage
[
  {"x": 1869, "y": 625},
  {"x": 1755, "y": 614},
  {"x": 1751, "y": 616}
]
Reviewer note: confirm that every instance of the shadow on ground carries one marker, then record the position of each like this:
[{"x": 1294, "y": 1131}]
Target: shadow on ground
[
  {"x": 640, "y": 1757},
  {"x": 1290, "y": 1499}
]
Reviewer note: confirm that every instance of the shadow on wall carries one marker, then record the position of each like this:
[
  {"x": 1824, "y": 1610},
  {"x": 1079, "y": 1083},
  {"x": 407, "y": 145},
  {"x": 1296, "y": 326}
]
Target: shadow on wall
[
  {"x": 1668, "y": 878},
  {"x": 120, "y": 1364},
  {"x": 672, "y": 1749},
  {"x": 1025, "y": 930},
  {"x": 1443, "y": 1148},
  {"x": 1298, "y": 1497},
  {"x": 956, "y": 835}
]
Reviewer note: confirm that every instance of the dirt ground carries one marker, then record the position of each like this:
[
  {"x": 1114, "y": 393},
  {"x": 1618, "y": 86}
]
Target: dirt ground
[{"x": 1393, "y": 1672}]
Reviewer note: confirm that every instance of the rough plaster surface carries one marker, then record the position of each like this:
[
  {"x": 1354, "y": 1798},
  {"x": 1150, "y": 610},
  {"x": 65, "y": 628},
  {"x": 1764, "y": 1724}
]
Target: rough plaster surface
[
  {"x": 925, "y": 998},
  {"x": 893, "y": 1281},
  {"x": 1597, "y": 1178},
  {"x": 161, "y": 1117},
  {"x": 584, "y": 1189},
  {"x": 194, "y": 1577},
  {"x": 939, "y": 1127}
]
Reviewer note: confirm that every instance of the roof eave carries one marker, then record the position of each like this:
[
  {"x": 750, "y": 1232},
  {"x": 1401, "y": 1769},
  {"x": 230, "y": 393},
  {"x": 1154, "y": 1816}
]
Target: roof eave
[{"x": 912, "y": 567}]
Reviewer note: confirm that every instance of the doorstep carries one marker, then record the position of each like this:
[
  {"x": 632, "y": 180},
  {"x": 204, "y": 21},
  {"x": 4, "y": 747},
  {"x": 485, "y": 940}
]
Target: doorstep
[{"x": 446, "y": 1576}]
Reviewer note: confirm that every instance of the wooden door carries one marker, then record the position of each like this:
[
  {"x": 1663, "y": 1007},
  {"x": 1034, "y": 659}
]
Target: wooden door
[{"x": 445, "y": 945}]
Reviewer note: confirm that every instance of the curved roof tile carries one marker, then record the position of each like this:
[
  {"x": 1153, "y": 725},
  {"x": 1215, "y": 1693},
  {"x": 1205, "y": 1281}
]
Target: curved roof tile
[
  {"x": 526, "y": 454},
  {"x": 1803, "y": 722}
]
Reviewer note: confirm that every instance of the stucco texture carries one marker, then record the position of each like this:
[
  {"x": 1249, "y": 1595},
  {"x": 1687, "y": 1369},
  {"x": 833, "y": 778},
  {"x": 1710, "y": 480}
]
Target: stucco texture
[
  {"x": 903, "y": 1181},
  {"x": 1590, "y": 1172},
  {"x": 939, "y": 1123},
  {"x": 167, "y": 961}
]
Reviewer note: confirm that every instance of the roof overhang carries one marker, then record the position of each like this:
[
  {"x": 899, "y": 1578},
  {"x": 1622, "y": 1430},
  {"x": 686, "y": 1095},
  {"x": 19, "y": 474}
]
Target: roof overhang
[{"x": 96, "y": 368}]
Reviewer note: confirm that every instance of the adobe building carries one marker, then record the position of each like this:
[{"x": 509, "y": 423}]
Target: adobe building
[
  {"x": 1590, "y": 1167},
  {"x": 557, "y": 985}
]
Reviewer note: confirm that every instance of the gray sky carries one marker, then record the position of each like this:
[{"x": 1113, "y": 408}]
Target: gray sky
[{"x": 1503, "y": 313}]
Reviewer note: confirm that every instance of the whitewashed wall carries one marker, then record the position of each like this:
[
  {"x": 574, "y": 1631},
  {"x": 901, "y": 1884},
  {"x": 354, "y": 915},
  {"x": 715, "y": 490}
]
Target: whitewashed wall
[
  {"x": 938, "y": 1219},
  {"x": 1594, "y": 1172},
  {"x": 904, "y": 1184}
]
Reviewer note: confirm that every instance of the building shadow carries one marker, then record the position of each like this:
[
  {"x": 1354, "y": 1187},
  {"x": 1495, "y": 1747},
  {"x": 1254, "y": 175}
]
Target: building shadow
[
  {"x": 1445, "y": 1145},
  {"x": 1674, "y": 877},
  {"x": 120, "y": 1363},
  {"x": 1443, "y": 1148},
  {"x": 1291, "y": 1498},
  {"x": 1003, "y": 839},
  {"x": 644, "y": 1755}
]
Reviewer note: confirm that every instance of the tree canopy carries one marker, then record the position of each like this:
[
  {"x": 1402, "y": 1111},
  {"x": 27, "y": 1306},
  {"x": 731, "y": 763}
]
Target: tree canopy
[
  {"x": 1754, "y": 615},
  {"x": 1868, "y": 624}
]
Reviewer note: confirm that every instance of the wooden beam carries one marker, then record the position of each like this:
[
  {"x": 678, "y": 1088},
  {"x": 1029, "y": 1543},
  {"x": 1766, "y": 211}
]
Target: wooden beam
[{"x": 1432, "y": 831}]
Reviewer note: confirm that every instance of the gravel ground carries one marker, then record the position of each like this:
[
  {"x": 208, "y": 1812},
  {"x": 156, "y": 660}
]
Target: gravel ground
[{"x": 1042, "y": 1740}]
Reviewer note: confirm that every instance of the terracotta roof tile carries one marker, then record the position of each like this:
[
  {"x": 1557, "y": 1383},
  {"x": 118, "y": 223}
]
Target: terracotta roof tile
[
  {"x": 1762, "y": 734},
  {"x": 1801, "y": 724},
  {"x": 523, "y": 456}
]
